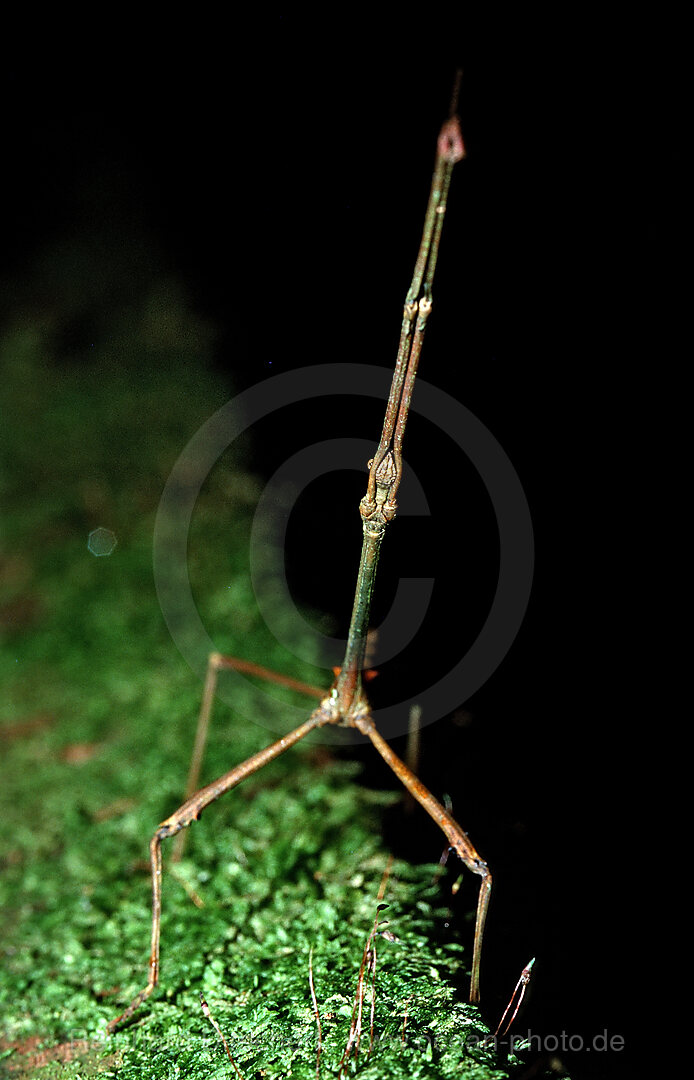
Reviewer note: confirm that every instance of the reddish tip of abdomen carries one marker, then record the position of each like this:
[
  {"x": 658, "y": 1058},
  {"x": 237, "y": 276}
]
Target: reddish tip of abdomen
[{"x": 450, "y": 143}]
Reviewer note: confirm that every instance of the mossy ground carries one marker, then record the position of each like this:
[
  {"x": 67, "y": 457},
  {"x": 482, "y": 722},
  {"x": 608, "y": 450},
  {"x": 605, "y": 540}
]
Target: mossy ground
[{"x": 96, "y": 726}]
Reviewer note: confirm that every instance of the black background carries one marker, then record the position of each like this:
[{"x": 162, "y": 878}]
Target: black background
[{"x": 280, "y": 169}]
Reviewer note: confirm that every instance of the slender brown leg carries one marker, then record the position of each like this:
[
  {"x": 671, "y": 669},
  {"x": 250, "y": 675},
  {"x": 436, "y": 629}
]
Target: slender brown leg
[
  {"x": 190, "y": 811},
  {"x": 457, "y": 838},
  {"x": 215, "y": 664}
]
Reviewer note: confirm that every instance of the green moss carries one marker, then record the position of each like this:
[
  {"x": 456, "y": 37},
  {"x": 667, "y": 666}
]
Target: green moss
[{"x": 96, "y": 724}]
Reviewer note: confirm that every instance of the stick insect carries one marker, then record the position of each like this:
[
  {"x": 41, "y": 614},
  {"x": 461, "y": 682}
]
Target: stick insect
[{"x": 345, "y": 703}]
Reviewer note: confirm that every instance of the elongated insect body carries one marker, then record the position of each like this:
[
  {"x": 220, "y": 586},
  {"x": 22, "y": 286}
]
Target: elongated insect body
[{"x": 345, "y": 702}]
